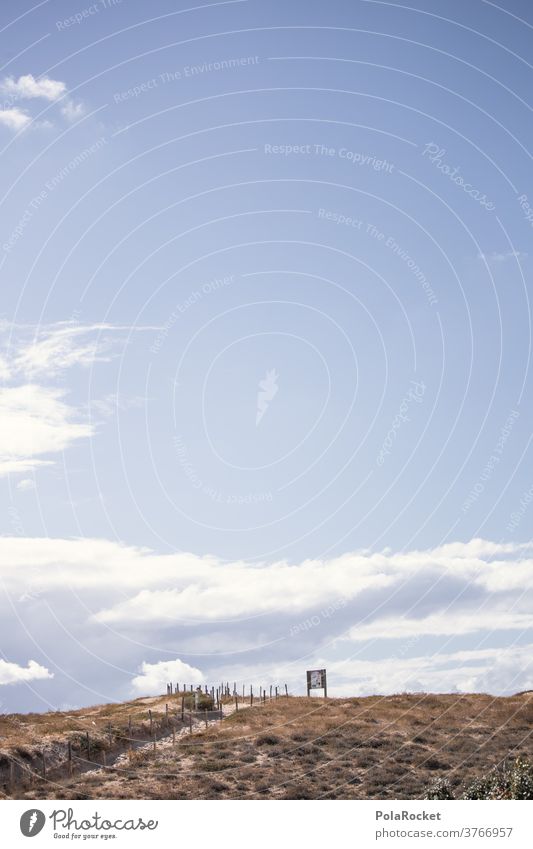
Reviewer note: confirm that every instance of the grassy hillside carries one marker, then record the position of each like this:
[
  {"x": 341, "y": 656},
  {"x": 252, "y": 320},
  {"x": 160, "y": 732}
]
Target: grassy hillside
[{"x": 296, "y": 748}]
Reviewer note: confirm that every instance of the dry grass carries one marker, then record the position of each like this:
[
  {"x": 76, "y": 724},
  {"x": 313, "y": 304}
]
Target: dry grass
[
  {"x": 375, "y": 747},
  {"x": 30, "y": 729},
  {"x": 25, "y": 737}
]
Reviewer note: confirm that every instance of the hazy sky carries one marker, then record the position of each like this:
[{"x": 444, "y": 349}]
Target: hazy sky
[{"x": 266, "y": 337}]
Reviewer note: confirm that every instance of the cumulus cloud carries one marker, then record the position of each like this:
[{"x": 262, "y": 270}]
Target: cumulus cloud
[
  {"x": 12, "y": 673},
  {"x": 36, "y": 419},
  {"x": 215, "y": 590},
  {"x": 27, "y": 87},
  {"x": 72, "y": 111},
  {"x": 444, "y": 623},
  {"x": 499, "y": 671},
  {"x": 391, "y": 606},
  {"x": 494, "y": 670},
  {"x": 14, "y": 119},
  {"x": 462, "y": 588},
  {"x": 34, "y": 422},
  {"x": 154, "y": 677},
  {"x": 26, "y": 485},
  {"x": 5, "y": 371}
]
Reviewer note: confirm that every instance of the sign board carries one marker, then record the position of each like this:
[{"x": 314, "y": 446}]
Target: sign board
[{"x": 316, "y": 680}]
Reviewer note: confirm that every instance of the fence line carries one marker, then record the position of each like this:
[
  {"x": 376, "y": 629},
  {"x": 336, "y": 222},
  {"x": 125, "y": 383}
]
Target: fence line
[{"x": 168, "y": 722}]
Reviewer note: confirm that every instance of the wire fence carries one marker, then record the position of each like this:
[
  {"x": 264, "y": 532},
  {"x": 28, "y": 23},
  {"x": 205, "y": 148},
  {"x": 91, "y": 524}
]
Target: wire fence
[{"x": 89, "y": 750}]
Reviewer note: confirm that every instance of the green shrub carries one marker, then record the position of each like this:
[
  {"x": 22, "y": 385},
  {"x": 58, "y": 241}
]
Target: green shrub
[
  {"x": 205, "y": 702},
  {"x": 514, "y": 781},
  {"x": 439, "y": 789},
  {"x": 511, "y": 781}
]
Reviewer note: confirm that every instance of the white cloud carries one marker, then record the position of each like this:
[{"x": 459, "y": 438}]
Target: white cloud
[
  {"x": 443, "y": 623},
  {"x": 500, "y": 671},
  {"x": 12, "y": 673},
  {"x": 216, "y": 590},
  {"x": 498, "y": 257},
  {"x": 34, "y": 421},
  {"x": 17, "y": 467},
  {"x": 112, "y": 404},
  {"x": 154, "y": 676},
  {"x": 5, "y": 371},
  {"x": 72, "y": 111},
  {"x": 494, "y": 670},
  {"x": 14, "y": 119},
  {"x": 89, "y": 564},
  {"x": 461, "y": 588},
  {"x": 245, "y": 610},
  {"x": 27, "y": 87},
  {"x": 62, "y": 346},
  {"x": 26, "y": 485}
]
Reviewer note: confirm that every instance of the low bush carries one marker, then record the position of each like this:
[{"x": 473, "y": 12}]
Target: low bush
[
  {"x": 510, "y": 781},
  {"x": 267, "y": 740}
]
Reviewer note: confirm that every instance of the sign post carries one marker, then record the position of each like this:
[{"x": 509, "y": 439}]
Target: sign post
[{"x": 317, "y": 680}]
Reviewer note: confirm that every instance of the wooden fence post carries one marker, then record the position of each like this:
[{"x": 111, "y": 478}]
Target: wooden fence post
[
  {"x": 236, "y": 702},
  {"x": 166, "y": 714},
  {"x": 271, "y": 691},
  {"x": 286, "y": 691}
]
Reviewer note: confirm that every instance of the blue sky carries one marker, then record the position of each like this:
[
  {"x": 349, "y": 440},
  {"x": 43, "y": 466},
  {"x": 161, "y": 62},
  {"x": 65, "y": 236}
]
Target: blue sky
[{"x": 266, "y": 336}]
